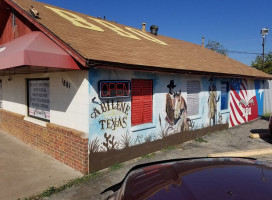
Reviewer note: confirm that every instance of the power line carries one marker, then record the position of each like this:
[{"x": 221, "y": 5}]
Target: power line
[
  {"x": 241, "y": 52},
  {"x": 244, "y": 52}
]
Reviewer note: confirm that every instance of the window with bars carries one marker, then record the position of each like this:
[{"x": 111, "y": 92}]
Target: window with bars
[
  {"x": 193, "y": 89},
  {"x": 141, "y": 101}
]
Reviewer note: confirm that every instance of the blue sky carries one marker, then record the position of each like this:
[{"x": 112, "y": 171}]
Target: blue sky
[{"x": 235, "y": 24}]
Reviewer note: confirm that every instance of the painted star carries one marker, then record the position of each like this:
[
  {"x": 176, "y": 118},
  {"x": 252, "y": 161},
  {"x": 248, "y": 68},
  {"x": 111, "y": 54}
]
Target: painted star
[{"x": 260, "y": 92}]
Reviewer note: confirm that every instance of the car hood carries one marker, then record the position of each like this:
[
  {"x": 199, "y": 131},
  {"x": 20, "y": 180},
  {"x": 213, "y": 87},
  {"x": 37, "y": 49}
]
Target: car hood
[{"x": 195, "y": 179}]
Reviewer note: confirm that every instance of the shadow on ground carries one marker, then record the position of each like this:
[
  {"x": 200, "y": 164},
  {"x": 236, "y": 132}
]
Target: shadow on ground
[
  {"x": 260, "y": 130},
  {"x": 267, "y": 139},
  {"x": 264, "y": 118}
]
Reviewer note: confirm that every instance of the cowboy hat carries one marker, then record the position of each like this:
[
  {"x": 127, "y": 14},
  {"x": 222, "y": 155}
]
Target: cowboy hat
[{"x": 171, "y": 85}]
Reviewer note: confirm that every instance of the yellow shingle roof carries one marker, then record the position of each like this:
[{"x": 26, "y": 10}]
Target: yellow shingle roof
[{"x": 103, "y": 40}]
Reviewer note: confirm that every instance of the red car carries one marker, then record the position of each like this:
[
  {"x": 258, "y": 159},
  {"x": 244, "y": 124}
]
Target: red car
[
  {"x": 196, "y": 179},
  {"x": 270, "y": 125}
]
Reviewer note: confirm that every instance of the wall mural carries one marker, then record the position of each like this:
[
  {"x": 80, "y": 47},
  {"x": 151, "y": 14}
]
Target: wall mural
[
  {"x": 221, "y": 101},
  {"x": 212, "y": 103},
  {"x": 109, "y": 121},
  {"x": 259, "y": 89},
  {"x": 109, "y": 117},
  {"x": 176, "y": 112},
  {"x": 245, "y": 101}
]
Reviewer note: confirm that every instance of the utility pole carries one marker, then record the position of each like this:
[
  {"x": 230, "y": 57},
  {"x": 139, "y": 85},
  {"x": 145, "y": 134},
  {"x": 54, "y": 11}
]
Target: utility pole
[{"x": 264, "y": 32}]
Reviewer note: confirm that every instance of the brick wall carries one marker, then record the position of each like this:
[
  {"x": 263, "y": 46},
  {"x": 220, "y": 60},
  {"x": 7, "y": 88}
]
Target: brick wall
[{"x": 64, "y": 144}]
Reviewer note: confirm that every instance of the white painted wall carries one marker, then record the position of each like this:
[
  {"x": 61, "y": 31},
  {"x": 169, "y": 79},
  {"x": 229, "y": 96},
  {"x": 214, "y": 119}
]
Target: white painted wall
[
  {"x": 14, "y": 94},
  {"x": 268, "y": 96},
  {"x": 69, "y": 107}
]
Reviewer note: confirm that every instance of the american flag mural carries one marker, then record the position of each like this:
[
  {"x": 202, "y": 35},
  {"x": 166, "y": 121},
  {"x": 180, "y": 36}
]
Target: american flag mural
[{"x": 243, "y": 102}]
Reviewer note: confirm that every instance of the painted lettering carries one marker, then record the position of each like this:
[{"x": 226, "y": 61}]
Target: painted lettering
[
  {"x": 146, "y": 36},
  {"x": 247, "y": 112},
  {"x": 127, "y": 109},
  {"x": 108, "y": 104},
  {"x": 102, "y": 122},
  {"x": 95, "y": 113},
  {"x": 109, "y": 123},
  {"x": 124, "y": 124},
  {"x": 118, "y": 106},
  {"x": 83, "y": 23},
  {"x": 114, "y": 28},
  {"x": 119, "y": 122},
  {"x": 115, "y": 121},
  {"x": 103, "y": 107},
  {"x": 75, "y": 19},
  {"x": 123, "y": 105}
]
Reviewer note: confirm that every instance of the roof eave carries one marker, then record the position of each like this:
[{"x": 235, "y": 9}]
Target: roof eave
[{"x": 115, "y": 65}]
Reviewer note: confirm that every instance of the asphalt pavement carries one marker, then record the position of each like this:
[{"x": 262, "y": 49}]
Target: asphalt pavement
[
  {"x": 25, "y": 171},
  {"x": 228, "y": 140}
]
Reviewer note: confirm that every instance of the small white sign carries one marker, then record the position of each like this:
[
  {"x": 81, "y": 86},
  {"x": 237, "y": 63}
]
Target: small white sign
[{"x": 39, "y": 98}]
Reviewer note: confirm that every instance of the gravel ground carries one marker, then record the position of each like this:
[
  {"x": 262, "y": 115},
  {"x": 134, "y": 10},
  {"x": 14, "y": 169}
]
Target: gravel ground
[{"x": 232, "y": 139}]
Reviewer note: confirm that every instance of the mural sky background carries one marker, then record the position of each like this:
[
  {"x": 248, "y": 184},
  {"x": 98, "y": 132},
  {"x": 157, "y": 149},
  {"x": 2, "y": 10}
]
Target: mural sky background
[{"x": 236, "y": 24}]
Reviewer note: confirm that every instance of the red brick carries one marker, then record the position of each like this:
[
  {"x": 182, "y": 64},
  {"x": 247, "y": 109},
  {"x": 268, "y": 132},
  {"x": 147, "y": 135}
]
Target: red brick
[{"x": 64, "y": 144}]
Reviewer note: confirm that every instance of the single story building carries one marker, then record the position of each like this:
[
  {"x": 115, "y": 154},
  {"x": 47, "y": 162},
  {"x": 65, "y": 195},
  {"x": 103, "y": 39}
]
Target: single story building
[{"x": 93, "y": 93}]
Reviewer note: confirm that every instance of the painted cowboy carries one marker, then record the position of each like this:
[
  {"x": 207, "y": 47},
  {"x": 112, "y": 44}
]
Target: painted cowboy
[
  {"x": 212, "y": 102},
  {"x": 170, "y": 103}
]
